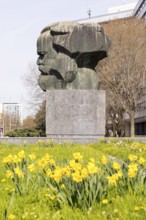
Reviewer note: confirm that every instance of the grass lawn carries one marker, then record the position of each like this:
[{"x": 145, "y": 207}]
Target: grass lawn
[{"x": 105, "y": 180}]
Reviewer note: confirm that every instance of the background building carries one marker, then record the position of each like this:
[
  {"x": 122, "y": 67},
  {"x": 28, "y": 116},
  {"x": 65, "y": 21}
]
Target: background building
[
  {"x": 115, "y": 12},
  {"x": 10, "y": 117},
  {"x": 140, "y": 9}
]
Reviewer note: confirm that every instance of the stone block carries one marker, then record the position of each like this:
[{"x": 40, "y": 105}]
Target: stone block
[{"x": 73, "y": 114}]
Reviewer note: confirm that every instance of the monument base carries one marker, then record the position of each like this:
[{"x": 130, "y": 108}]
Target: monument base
[{"x": 75, "y": 115}]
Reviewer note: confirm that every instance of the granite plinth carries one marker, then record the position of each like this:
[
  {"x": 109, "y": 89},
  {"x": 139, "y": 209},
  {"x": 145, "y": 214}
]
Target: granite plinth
[{"x": 75, "y": 114}]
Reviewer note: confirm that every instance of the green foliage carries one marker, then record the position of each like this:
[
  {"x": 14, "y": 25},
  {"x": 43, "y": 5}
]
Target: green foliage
[{"x": 23, "y": 132}]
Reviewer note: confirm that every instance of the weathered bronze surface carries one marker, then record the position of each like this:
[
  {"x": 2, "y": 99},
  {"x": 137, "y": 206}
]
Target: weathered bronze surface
[{"x": 68, "y": 54}]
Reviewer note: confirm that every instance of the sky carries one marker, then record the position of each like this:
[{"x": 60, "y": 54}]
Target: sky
[{"x": 21, "y": 23}]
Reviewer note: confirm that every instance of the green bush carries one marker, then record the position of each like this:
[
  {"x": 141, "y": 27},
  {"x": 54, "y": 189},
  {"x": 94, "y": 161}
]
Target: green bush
[{"x": 23, "y": 132}]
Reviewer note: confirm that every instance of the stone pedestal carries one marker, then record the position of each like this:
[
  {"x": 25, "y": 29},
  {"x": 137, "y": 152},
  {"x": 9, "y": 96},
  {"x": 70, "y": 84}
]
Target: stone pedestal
[{"x": 75, "y": 115}]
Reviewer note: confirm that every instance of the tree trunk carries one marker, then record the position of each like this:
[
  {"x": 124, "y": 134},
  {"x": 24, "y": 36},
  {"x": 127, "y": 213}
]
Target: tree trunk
[{"x": 132, "y": 124}]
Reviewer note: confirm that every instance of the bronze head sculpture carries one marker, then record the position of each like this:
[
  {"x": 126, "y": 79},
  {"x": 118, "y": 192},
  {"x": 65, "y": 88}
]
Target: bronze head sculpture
[{"x": 68, "y": 54}]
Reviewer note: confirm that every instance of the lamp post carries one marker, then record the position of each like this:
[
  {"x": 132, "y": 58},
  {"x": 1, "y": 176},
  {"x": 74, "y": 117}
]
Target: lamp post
[{"x": 89, "y": 13}]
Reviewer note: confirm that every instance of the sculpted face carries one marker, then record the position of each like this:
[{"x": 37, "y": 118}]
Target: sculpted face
[
  {"x": 41, "y": 62},
  {"x": 68, "y": 54},
  {"x": 49, "y": 78},
  {"x": 44, "y": 63}
]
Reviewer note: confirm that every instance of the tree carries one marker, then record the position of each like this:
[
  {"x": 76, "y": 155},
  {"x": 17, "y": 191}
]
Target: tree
[
  {"x": 35, "y": 93},
  {"x": 40, "y": 119},
  {"x": 114, "y": 116},
  {"x": 10, "y": 121},
  {"x": 28, "y": 122},
  {"x": 122, "y": 73}
]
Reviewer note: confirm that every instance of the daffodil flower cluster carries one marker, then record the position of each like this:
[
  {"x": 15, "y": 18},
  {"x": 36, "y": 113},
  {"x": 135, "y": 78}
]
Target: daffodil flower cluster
[
  {"x": 13, "y": 163},
  {"x": 125, "y": 173},
  {"x": 76, "y": 183},
  {"x": 14, "y": 158}
]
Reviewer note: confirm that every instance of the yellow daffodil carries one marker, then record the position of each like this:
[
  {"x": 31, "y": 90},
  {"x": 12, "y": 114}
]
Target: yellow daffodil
[
  {"x": 136, "y": 208},
  {"x": 47, "y": 157},
  {"x": 75, "y": 165},
  {"x": 92, "y": 168},
  {"x": 116, "y": 166},
  {"x": 49, "y": 172},
  {"x": 133, "y": 166},
  {"x": 52, "y": 197},
  {"x": 77, "y": 156},
  {"x": 32, "y": 156},
  {"x": 84, "y": 173},
  {"x": 52, "y": 162},
  {"x": 104, "y": 201},
  {"x": 57, "y": 175},
  {"x": 31, "y": 167},
  {"x": 132, "y": 157},
  {"x": 92, "y": 160},
  {"x": 16, "y": 159},
  {"x": 132, "y": 170},
  {"x": 21, "y": 154},
  {"x": 19, "y": 172},
  {"x": 8, "y": 159},
  {"x": 42, "y": 163},
  {"x": 104, "y": 160},
  {"x": 11, "y": 217},
  {"x": 23, "y": 216},
  {"x": 67, "y": 171},
  {"x": 77, "y": 177},
  {"x": 10, "y": 189},
  {"x": 132, "y": 174},
  {"x": 62, "y": 186},
  {"x": 9, "y": 174},
  {"x": 72, "y": 163},
  {"x": 119, "y": 174},
  {"x": 141, "y": 160},
  {"x": 113, "y": 179}
]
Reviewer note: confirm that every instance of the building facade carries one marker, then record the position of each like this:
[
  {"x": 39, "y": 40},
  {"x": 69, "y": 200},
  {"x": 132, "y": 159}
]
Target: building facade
[
  {"x": 10, "y": 117},
  {"x": 140, "y": 9},
  {"x": 115, "y": 12}
]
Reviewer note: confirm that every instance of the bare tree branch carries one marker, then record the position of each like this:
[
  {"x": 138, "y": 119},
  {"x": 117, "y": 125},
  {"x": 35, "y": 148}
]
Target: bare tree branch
[{"x": 35, "y": 95}]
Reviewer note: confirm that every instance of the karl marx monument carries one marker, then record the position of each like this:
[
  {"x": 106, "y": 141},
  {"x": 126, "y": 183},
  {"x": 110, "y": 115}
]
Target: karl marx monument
[{"x": 68, "y": 55}]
